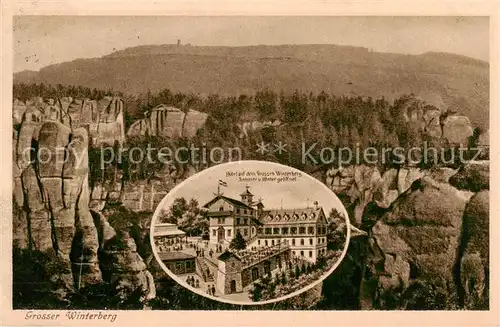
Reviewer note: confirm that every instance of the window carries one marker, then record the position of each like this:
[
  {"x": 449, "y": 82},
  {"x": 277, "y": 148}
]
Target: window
[
  {"x": 223, "y": 220},
  {"x": 284, "y": 230},
  {"x": 178, "y": 266},
  {"x": 268, "y": 231},
  {"x": 237, "y": 210},
  {"x": 301, "y": 241},
  {"x": 302, "y": 253},
  {"x": 266, "y": 242},
  {"x": 245, "y": 231},
  {"x": 310, "y": 254},
  {"x": 259, "y": 231},
  {"x": 221, "y": 208},
  {"x": 245, "y": 211},
  {"x": 293, "y": 241},
  {"x": 302, "y": 230},
  {"x": 237, "y": 221},
  {"x": 310, "y": 230},
  {"x": 245, "y": 221},
  {"x": 276, "y": 231},
  {"x": 310, "y": 241},
  {"x": 214, "y": 232},
  {"x": 229, "y": 232},
  {"x": 319, "y": 230},
  {"x": 258, "y": 242},
  {"x": 188, "y": 265},
  {"x": 293, "y": 230},
  {"x": 272, "y": 242}
]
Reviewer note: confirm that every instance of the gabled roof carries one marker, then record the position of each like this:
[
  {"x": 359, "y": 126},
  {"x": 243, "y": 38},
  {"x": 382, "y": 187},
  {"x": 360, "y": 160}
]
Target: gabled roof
[
  {"x": 246, "y": 192},
  {"x": 228, "y": 254},
  {"x": 234, "y": 202},
  {"x": 285, "y": 216}
]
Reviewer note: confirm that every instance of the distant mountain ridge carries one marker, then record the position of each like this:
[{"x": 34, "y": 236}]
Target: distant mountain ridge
[{"x": 459, "y": 82}]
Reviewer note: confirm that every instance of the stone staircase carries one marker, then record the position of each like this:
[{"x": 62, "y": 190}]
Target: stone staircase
[{"x": 201, "y": 265}]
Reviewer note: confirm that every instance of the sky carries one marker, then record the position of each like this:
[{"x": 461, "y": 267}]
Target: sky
[
  {"x": 299, "y": 194},
  {"x": 43, "y": 40}
]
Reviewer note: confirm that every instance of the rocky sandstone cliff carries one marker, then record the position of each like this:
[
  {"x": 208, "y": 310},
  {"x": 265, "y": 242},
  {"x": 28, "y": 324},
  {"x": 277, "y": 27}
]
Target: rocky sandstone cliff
[
  {"x": 168, "y": 122},
  {"x": 428, "y": 116},
  {"x": 102, "y": 119},
  {"x": 433, "y": 238},
  {"x": 52, "y": 215}
]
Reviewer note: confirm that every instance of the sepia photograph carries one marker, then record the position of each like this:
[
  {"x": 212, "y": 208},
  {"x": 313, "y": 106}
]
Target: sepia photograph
[
  {"x": 245, "y": 247},
  {"x": 316, "y": 163}
]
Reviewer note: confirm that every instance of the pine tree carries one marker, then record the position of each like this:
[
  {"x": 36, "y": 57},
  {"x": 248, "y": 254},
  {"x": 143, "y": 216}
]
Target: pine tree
[
  {"x": 238, "y": 242},
  {"x": 297, "y": 271},
  {"x": 283, "y": 278},
  {"x": 303, "y": 269},
  {"x": 256, "y": 292}
]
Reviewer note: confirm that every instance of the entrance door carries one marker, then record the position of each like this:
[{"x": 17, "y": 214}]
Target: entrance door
[
  {"x": 255, "y": 273},
  {"x": 233, "y": 286},
  {"x": 267, "y": 267},
  {"x": 220, "y": 234}
]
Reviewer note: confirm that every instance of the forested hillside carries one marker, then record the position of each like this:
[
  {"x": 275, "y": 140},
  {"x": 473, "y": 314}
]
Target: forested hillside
[{"x": 446, "y": 80}]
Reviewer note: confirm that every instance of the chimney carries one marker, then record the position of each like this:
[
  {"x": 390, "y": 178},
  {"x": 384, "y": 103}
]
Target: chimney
[
  {"x": 178, "y": 41},
  {"x": 316, "y": 205}
]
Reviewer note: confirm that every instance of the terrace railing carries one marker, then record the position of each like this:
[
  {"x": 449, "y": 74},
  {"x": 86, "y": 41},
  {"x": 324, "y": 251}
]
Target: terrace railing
[{"x": 251, "y": 257}]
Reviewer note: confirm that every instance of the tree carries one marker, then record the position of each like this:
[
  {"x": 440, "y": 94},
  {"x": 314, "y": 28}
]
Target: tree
[
  {"x": 291, "y": 273},
  {"x": 321, "y": 262},
  {"x": 178, "y": 208},
  {"x": 238, "y": 242},
  {"x": 303, "y": 269},
  {"x": 296, "y": 108},
  {"x": 283, "y": 278},
  {"x": 265, "y": 103},
  {"x": 297, "y": 271},
  {"x": 336, "y": 230},
  {"x": 256, "y": 292}
]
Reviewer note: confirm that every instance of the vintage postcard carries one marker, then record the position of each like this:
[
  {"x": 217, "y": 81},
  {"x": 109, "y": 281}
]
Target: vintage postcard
[{"x": 261, "y": 164}]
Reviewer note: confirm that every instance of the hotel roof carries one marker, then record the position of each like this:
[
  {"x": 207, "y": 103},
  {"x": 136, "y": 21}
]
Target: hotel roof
[
  {"x": 169, "y": 233},
  {"x": 174, "y": 255},
  {"x": 285, "y": 216},
  {"x": 234, "y": 202},
  {"x": 228, "y": 254}
]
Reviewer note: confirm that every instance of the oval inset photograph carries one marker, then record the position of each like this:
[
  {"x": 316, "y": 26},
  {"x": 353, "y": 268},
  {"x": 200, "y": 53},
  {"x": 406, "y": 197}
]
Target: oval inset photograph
[{"x": 250, "y": 232}]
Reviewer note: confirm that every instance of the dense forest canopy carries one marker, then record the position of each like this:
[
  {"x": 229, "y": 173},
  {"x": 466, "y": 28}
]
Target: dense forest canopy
[{"x": 305, "y": 118}]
